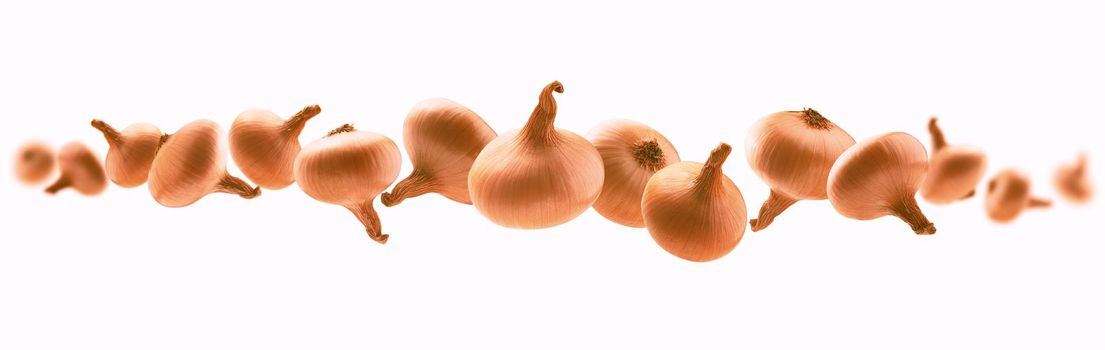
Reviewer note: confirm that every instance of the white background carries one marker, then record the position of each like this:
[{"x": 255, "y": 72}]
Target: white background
[{"x": 283, "y": 271}]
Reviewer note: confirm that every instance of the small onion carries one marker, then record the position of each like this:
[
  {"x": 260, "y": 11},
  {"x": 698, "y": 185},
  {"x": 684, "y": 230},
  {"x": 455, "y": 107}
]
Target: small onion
[
  {"x": 131, "y": 152},
  {"x": 349, "y": 168},
  {"x": 631, "y": 153},
  {"x": 34, "y": 162},
  {"x": 80, "y": 170},
  {"x": 693, "y": 210}
]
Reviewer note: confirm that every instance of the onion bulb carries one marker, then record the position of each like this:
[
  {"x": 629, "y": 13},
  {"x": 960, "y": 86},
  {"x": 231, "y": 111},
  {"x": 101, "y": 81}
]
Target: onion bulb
[
  {"x": 1073, "y": 180},
  {"x": 1008, "y": 194},
  {"x": 80, "y": 170},
  {"x": 192, "y": 164},
  {"x": 442, "y": 139},
  {"x": 264, "y": 146},
  {"x": 793, "y": 152},
  {"x": 538, "y": 176},
  {"x": 34, "y": 162},
  {"x": 693, "y": 210},
  {"x": 954, "y": 170},
  {"x": 879, "y": 177},
  {"x": 631, "y": 153},
  {"x": 131, "y": 152},
  {"x": 349, "y": 168}
]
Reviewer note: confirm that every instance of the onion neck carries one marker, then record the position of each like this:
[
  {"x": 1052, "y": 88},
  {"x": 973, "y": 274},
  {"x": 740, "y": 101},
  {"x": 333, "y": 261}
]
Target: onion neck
[
  {"x": 415, "y": 185},
  {"x": 938, "y": 141},
  {"x": 294, "y": 125},
  {"x": 234, "y": 185},
  {"x": 710, "y": 177},
  {"x": 908, "y": 211},
  {"x": 371, "y": 221},
  {"x": 1037, "y": 202},
  {"x": 649, "y": 155},
  {"x": 775, "y": 204},
  {"x": 112, "y": 136},
  {"x": 62, "y": 183},
  {"x": 540, "y": 129}
]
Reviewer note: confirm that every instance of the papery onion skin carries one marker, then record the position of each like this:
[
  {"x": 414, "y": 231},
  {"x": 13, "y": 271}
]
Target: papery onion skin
[
  {"x": 538, "y": 176},
  {"x": 81, "y": 170},
  {"x": 264, "y": 146},
  {"x": 442, "y": 139},
  {"x": 1008, "y": 194},
  {"x": 693, "y": 211},
  {"x": 954, "y": 170},
  {"x": 34, "y": 162},
  {"x": 880, "y": 176},
  {"x": 631, "y": 153},
  {"x": 130, "y": 152},
  {"x": 192, "y": 164},
  {"x": 793, "y": 152},
  {"x": 1073, "y": 181},
  {"x": 350, "y": 168}
]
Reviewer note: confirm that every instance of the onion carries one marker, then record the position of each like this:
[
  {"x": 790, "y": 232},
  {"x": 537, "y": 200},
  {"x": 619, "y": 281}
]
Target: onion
[
  {"x": 693, "y": 210},
  {"x": 349, "y": 168},
  {"x": 34, "y": 162},
  {"x": 442, "y": 139},
  {"x": 538, "y": 176},
  {"x": 1008, "y": 194},
  {"x": 879, "y": 177},
  {"x": 192, "y": 164},
  {"x": 131, "y": 152},
  {"x": 954, "y": 170},
  {"x": 793, "y": 153},
  {"x": 1073, "y": 180},
  {"x": 264, "y": 146},
  {"x": 80, "y": 170},
  {"x": 631, "y": 153}
]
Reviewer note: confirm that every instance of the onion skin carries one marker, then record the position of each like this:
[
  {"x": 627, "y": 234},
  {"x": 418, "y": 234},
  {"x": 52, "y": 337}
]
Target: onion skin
[
  {"x": 34, "y": 162},
  {"x": 538, "y": 176},
  {"x": 880, "y": 176},
  {"x": 80, "y": 170},
  {"x": 191, "y": 164},
  {"x": 693, "y": 211},
  {"x": 442, "y": 139},
  {"x": 265, "y": 146},
  {"x": 793, "y": 152},
  {"x": 1008, "y": 194},
  {"x": 954, "y": 170},
  {"x": 1073, "y": 181},
  {"x": 131, "y": 152},
  {"x": 350, "y": 168},
  {"x": 631, "y": 153}
]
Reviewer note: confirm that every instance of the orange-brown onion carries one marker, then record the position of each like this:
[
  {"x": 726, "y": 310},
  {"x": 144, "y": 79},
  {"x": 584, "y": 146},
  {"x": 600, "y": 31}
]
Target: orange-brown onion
[
  {"x": 265, "y": 146},
  {"x": 539, "y": 176},
  {"x": 1008, "y": 194},
  {"x": 880, "y": 176},
  {"x": 34, "y": 162},
  {"x": 130, "y": 152},
  {"x": 350, "y": 168},
  {"x": 954, "y": 170},
  {"x": 80, "y": 170},
  {"x": 693, "y": 210},
  {"x": 1073, "y": 180},
  {"x": 192, "y": 164},
  {"x": 442, "y": 139},
  {"x": 793, "y": 152},
  {"x": 631, "y": 153}
]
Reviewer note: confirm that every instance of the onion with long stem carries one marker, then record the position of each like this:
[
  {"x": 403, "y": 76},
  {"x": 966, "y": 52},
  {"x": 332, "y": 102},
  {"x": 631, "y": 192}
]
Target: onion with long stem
[
  {"x": 538, "y": 176},
  {"x": 880, "y": 177},
  {"x": 192, "y": 164},
  {"x": 793, "y": 152},
  {"x": 130, "y": 152},
  {"x": 442, "y": 139},
  {"x": 349, "y": 168},
  {"x": 265, "y": 146},
  {"x": 954, "y": 170}
]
